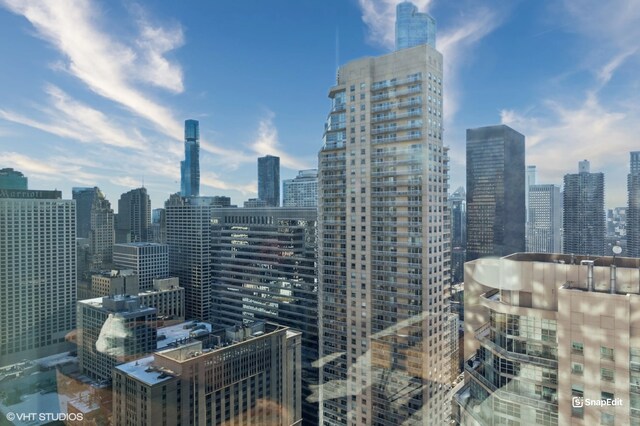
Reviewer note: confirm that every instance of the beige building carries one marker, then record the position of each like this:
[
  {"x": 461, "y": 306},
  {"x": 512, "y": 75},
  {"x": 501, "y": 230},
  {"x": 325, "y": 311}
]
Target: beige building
[
  {"x": 167, "y": 297},
  {"x": 551, "y": 339},
  {"x": 238, "y": 376},
  {"x": 383, "y": 250},
  {"x": 110, "y": 283}
]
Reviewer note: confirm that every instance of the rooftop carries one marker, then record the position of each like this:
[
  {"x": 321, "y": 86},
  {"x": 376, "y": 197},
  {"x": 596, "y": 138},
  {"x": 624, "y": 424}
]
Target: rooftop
[
  {"x": 144, "y": 370},
  {"x": 181, "y": 332},
  {"x": 570, "y": 259}
]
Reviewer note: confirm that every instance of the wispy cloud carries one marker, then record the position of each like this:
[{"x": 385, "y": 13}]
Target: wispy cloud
[
  {"x": 60, "y": 172},
  {"x": 560, "y": 135},
  {"x": 108, "y": 66},
  {"x": 266, "y": 143},
  {"x": 69, "y": 118}
]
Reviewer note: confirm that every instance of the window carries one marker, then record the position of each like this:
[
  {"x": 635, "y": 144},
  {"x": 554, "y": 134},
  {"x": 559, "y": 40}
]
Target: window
[
  {"x": 607, "y": 419},
  {"x": 577, "y": 368},
  {"x": 577, "y": 348},
  {"x": 607, "y": 374},
  {"x": 606, "y": 353}
]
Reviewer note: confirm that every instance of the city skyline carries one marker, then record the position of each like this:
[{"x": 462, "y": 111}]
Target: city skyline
[{"x": 135, "y": 104}]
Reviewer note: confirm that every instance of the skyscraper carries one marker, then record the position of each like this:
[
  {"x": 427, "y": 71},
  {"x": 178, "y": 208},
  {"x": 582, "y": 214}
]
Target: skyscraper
[
  {"x": 134, "y": 216},
  {"x": 189, "y": 240},
  {"x": 101, "y": 233},
  {"x": 12, "y": 179},
  {"x": 84, "y": 198},
  {"x": 37, "y": 273},
  {"x": 264, "y": 268},
  {"x": 302, "y": 191},
  {"x": 633, "y": 212},
  {"x": 148, "y": 260},
  {"x": 384, "y": 243},
  {"x": 495, "y": 192},
  {"x": 545, "y": 219},
  {"x": 190, "y": 167},
  {"x": 269, "y": 180},
  {"x": 458, "y": 212},
  {"x": 413, "y": 28},
  {"x": 583, "y": 217}
]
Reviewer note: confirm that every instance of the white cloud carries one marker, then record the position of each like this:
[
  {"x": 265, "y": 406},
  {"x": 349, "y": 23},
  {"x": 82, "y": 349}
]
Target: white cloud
[
  {"x": 69, "y": 118},
  {"x": 108, "y": 66},
  {"x": 560, "y": 135},
  {"x": 266, "y": 143}
]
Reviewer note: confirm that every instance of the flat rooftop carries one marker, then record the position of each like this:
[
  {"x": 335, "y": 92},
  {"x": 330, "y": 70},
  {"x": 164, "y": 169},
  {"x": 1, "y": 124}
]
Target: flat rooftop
[
  {"x": 570, "y": 259},
  {"x": 143, "y": 369},
  {"x": 180, "y": 332}
]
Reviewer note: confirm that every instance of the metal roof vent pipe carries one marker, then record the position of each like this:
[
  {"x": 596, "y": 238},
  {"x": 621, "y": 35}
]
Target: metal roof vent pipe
[
  {"x": 589, "y": 264},
  {"x": 612, "y": 279}
]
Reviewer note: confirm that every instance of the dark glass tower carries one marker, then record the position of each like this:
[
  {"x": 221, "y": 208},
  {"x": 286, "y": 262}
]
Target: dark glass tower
[
  {"x": 190, "y": 167},
  {"x": 495, "y": 192},
  {"x": 12, "y": 179},
  {"x": 633, "y": 212},
  {"x": 269, "y": 180},
  {"x": 134, "y": 217},
  {"x": 458, "y": 209},
  {"x": 84, "y": 198},
  {"x": 583, "y": 218},
  {"x": 413, "y": 28}
]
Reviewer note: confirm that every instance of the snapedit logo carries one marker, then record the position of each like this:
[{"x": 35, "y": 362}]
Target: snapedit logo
[{"x": 579, "y": 402}]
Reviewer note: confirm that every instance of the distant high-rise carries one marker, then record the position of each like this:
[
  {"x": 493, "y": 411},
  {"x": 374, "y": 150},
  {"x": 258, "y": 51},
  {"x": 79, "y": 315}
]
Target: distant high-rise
[
  {"x": 148, "y": 260},
  {"x": 101, "y": 232},
  {"x": 12, "y": 179},
  {"x": 189, "y": 240},
  {"x": 269, "y": 180},
  {"x": 158, "y": 228},
  {"x": 302, "y": 191},
  {"x": 384, "y": 244},
  {"x": 545, "y": 219},
  {"x": 190, "y": 167},
  {"x": 584, "y": 218},
  {"x": 264, "y": 268},
  {"x": 633, "y": 212},
  {"x": 37, "y": 273},
  {"x": 458, "y": 212},
  {"x": 134, "y": 216},
  {"x": 84, "y": 197},
  {"x": 413, "y": 28},
  {"x": 495, "y": 192}
]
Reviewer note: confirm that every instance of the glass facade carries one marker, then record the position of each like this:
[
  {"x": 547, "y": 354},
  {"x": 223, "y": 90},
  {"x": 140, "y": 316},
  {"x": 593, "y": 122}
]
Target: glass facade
[
  {"x": 190, "y": 167},
  {"x": 269, "y": 180},
  {"x": 413, "y": 28},
  {"x": 495, "y": 192},
  {"x": 584, "y": 217}
]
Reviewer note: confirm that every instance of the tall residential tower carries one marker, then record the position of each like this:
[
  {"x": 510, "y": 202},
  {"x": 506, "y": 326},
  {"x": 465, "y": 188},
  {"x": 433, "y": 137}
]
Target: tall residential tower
[{"x": 384, "y": 243}]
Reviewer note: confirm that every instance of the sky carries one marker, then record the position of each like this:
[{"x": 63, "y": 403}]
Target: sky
[{"x": 96, "y": 92}]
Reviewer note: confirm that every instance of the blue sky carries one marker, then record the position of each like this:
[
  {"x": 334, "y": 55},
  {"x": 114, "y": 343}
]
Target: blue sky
[{"x": 96, "y": 93}]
